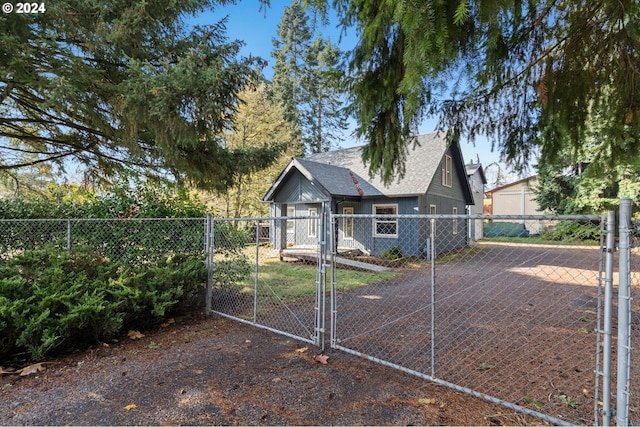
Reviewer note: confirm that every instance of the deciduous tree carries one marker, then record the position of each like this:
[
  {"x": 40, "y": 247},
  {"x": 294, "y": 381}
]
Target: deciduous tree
[{"x": 258, "y": 119}]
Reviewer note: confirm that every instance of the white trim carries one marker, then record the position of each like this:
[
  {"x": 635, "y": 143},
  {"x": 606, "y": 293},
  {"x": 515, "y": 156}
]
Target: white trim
[
  {"x": 454, "y": 224},
  {"x": 376, "y": 221},
  {"x": 312, "y": 223},
  {"x": 291, "y": 223},
  {"x": 347, "y": 223},
  {"x": 447, "y": 171}
]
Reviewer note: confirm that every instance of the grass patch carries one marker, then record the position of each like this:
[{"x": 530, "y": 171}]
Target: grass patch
[{"x": 296, "y": 280}]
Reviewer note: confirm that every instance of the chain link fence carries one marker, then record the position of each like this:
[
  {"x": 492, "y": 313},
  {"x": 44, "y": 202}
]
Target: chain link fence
[
  {"x": 513, "y": 316},
  {"x": 134, "y": 241},
  {"x": 256, "y": 284}
]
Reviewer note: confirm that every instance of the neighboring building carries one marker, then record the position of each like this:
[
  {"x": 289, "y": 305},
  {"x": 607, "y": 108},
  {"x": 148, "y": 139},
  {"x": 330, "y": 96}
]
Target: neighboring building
[
  {"x": 517, "y": 198},
  {"x": 477, "y": 181},
  {"x": 435, "y": 182}
]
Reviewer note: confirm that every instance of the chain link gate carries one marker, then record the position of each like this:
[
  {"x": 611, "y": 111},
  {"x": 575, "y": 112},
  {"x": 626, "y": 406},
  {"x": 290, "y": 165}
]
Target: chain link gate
[
  {"x": 508, "y": 321},
  {"x": 252, "y": 282},
  {"x": 517, "y": 318}
]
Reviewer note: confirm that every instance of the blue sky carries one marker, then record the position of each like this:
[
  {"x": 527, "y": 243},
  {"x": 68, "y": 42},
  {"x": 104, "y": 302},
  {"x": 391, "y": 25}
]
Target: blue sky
[{"x": 257, "y": 29}]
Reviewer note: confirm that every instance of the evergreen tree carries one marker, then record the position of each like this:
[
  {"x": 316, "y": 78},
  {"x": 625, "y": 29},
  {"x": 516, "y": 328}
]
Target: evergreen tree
[
  {"x": 115, "y": 85},
  {"x": 322, "y": 116},
  {"x": 510, "y": 70},
  {"x": 580, "y": 182},
  {"x": 289, "y": 49},
  {"x": 306, "y": 81}
]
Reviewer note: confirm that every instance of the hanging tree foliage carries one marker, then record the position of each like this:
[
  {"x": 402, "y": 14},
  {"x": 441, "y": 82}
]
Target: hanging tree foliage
[
  {"x": 114, "y": 85},
  {"x": 528, "y": 74}
]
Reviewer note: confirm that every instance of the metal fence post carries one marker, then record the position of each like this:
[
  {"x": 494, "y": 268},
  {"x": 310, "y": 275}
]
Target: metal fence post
[
  {"x": 607, "y": 321},
  {"x": 256, "y": 272},
  {"x": 624, "y": 317},
  {"x": 332, "y": 290},
  {"x": 68, "y": 234},
  {"x": 208, "y": 241},
  {"x": 433, "y": 296},
  {"x": 321, "y": 276}
]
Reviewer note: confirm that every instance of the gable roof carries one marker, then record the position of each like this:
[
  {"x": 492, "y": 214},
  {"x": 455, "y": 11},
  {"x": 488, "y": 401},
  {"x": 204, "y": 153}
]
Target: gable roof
[
  {"x": 338, "y": 180},
  {"x": 423, "y": 156},
  {"x": 330, "y": 179},
  {"x": 343, "y": 173},
  {"x": 527, "y": 180},
  {"x": 475, "y": 167}
]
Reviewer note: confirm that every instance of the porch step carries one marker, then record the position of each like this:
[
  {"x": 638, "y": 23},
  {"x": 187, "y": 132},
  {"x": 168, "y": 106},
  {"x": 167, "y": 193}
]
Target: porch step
[{"x": 308, "y": 255}]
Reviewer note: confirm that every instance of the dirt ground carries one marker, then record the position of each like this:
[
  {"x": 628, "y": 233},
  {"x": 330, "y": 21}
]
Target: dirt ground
[{"x": 207, "y": 370}]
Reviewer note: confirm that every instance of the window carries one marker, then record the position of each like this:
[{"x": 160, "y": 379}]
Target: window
[
  {"x": 455, "y": 221},
  {"x": 347, "y": 223},
  {"x": 291, "y": 223},
  {"x": 313, "y": 222},
  {"x": 447, "y": 166},
  {"x": 432, "y": 209},
  {"x": 385, "y": 226}
]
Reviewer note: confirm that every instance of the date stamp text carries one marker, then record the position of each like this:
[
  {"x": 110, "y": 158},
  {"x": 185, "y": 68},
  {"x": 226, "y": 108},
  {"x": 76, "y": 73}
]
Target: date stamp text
[{"x": 23, "y": 8}]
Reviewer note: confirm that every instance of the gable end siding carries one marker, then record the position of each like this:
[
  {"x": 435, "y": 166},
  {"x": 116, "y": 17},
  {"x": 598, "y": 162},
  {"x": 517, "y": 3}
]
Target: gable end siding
[{"x": 296, "y": 189}]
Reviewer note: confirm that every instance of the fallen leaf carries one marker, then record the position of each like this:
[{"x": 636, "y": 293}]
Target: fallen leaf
[
  {"x": 425, "y": 401},
  {"x": 170, "y": 321},
  {"x": 31, "y": 369},
  {"x": 130, "y": 407},
  {"x": 135, "y": 335},
  {"x": 105, "y": 345},
  {"x": 321, "y": 358},
  {"x": 302, "y": 350},
  {"x": 3, "y": 372}
]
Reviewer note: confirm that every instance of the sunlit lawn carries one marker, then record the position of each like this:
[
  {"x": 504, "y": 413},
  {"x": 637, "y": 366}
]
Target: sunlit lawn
[{"x": 293, "y": 280}]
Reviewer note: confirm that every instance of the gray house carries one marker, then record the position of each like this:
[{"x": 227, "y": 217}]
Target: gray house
[
  {"x": 435, "y": 182},
  {"x": 477, "y": 181}
]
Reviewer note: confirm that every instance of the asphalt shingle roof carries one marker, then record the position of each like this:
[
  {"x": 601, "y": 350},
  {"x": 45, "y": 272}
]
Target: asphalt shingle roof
[
  {"x": 338, "y": 180},
  {"x": 423, "y": 156}
]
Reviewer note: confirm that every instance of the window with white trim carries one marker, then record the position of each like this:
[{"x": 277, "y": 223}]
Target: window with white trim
[
  {"x": 291, "y": 223},
  {"x": 385, "y": 226},
  {"x": 313, "y": 223},
  {"x": 455, "y": 221},
  {"x": 447, "y": 167},
  {"x": 347, "y": 223},
  {"x": 432, "y": 209}
]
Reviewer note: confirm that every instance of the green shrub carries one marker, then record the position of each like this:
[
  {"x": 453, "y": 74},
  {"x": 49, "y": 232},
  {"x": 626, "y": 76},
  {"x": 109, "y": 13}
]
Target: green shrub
[
  {"x": 573, "y": 231},
  {"x": 52, "y": 300},
  {"x": 392, "y": 253}
]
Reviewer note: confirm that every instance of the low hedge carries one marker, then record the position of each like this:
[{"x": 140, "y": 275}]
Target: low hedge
[{"x": 52, "y": 300}]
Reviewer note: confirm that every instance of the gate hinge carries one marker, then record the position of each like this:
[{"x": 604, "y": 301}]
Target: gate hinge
[{"x": 610, "y": 414}]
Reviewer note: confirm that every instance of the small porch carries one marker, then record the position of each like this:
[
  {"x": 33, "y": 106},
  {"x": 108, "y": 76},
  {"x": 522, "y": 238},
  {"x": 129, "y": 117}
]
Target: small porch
[{"x": 310, "y": 253}]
